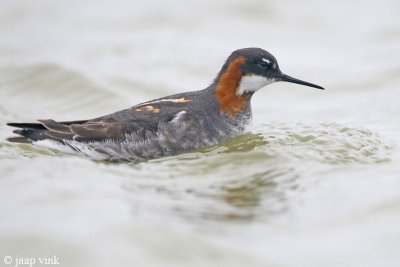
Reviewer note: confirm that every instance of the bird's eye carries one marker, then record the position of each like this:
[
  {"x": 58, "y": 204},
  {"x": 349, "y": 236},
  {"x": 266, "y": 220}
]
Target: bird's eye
[{"x": 263, "y": 65}]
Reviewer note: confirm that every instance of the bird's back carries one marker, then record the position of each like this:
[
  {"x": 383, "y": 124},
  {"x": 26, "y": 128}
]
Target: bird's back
[{"x": 164, "y": 126}]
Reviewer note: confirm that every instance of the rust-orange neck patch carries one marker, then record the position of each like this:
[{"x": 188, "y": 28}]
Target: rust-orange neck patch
[{"x": 225, "y": 93}]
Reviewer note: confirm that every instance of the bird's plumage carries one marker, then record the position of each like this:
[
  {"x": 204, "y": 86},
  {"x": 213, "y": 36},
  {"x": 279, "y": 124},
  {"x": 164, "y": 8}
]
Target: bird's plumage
[{"x": 168, "y": 125}]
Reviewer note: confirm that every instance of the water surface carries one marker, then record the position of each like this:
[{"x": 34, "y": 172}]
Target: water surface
[{"x": 315, "y": 182}]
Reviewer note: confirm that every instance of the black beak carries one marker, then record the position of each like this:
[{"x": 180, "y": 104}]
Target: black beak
[{"x": 286, "y": 78}]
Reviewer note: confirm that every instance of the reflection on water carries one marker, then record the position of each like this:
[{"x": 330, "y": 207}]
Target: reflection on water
[
  {"x": 202, "y": 186},
  {"x": 314, "y": 182},
  {"x": 251, "y": 196},
  {"x": 253, "y": 177},
  {"x": 261, "y": 195},
  {"x": 248, "y": 178}
]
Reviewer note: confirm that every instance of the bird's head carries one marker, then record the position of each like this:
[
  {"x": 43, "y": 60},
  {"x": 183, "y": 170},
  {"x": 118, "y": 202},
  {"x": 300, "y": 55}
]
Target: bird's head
[
  {"x": 246, "y": 71},
  {"x": 259, "y": 68}
]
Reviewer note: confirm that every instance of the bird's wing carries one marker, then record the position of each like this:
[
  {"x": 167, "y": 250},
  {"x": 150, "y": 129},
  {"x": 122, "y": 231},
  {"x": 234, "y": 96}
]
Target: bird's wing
[{"x": 138, "y": 119}]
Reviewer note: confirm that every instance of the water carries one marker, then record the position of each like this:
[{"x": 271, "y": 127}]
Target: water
[{"x": 314, "y": 183}]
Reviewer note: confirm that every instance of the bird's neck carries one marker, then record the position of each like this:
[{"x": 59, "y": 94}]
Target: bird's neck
[{"x": 226, "y": 89}]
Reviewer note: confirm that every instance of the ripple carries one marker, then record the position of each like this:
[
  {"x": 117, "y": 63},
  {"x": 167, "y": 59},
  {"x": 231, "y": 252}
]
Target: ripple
[
  {"x": 36, "y": 89},
  {"x": 258, "y": 176},
  {"x": 257, "y": 190},
  {"x": 326, "y": 143}
]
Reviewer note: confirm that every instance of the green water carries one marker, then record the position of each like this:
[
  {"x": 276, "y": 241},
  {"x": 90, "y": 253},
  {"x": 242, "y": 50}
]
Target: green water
[{"x": 315, "y": 181}]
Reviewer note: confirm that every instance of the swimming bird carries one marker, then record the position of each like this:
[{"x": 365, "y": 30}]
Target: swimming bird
[{"x": 169, "y": 125}]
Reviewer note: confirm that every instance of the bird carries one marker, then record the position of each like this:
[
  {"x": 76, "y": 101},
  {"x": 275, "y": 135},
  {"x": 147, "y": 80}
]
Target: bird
[{"x": 169, "y": 125}]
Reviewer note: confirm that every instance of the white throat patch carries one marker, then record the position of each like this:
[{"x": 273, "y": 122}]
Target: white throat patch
[{"x": 252, "y": 83}]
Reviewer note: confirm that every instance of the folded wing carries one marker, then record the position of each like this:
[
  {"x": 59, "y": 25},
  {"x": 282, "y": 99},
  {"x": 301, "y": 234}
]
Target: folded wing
[{"x": 114, "y": 126}]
